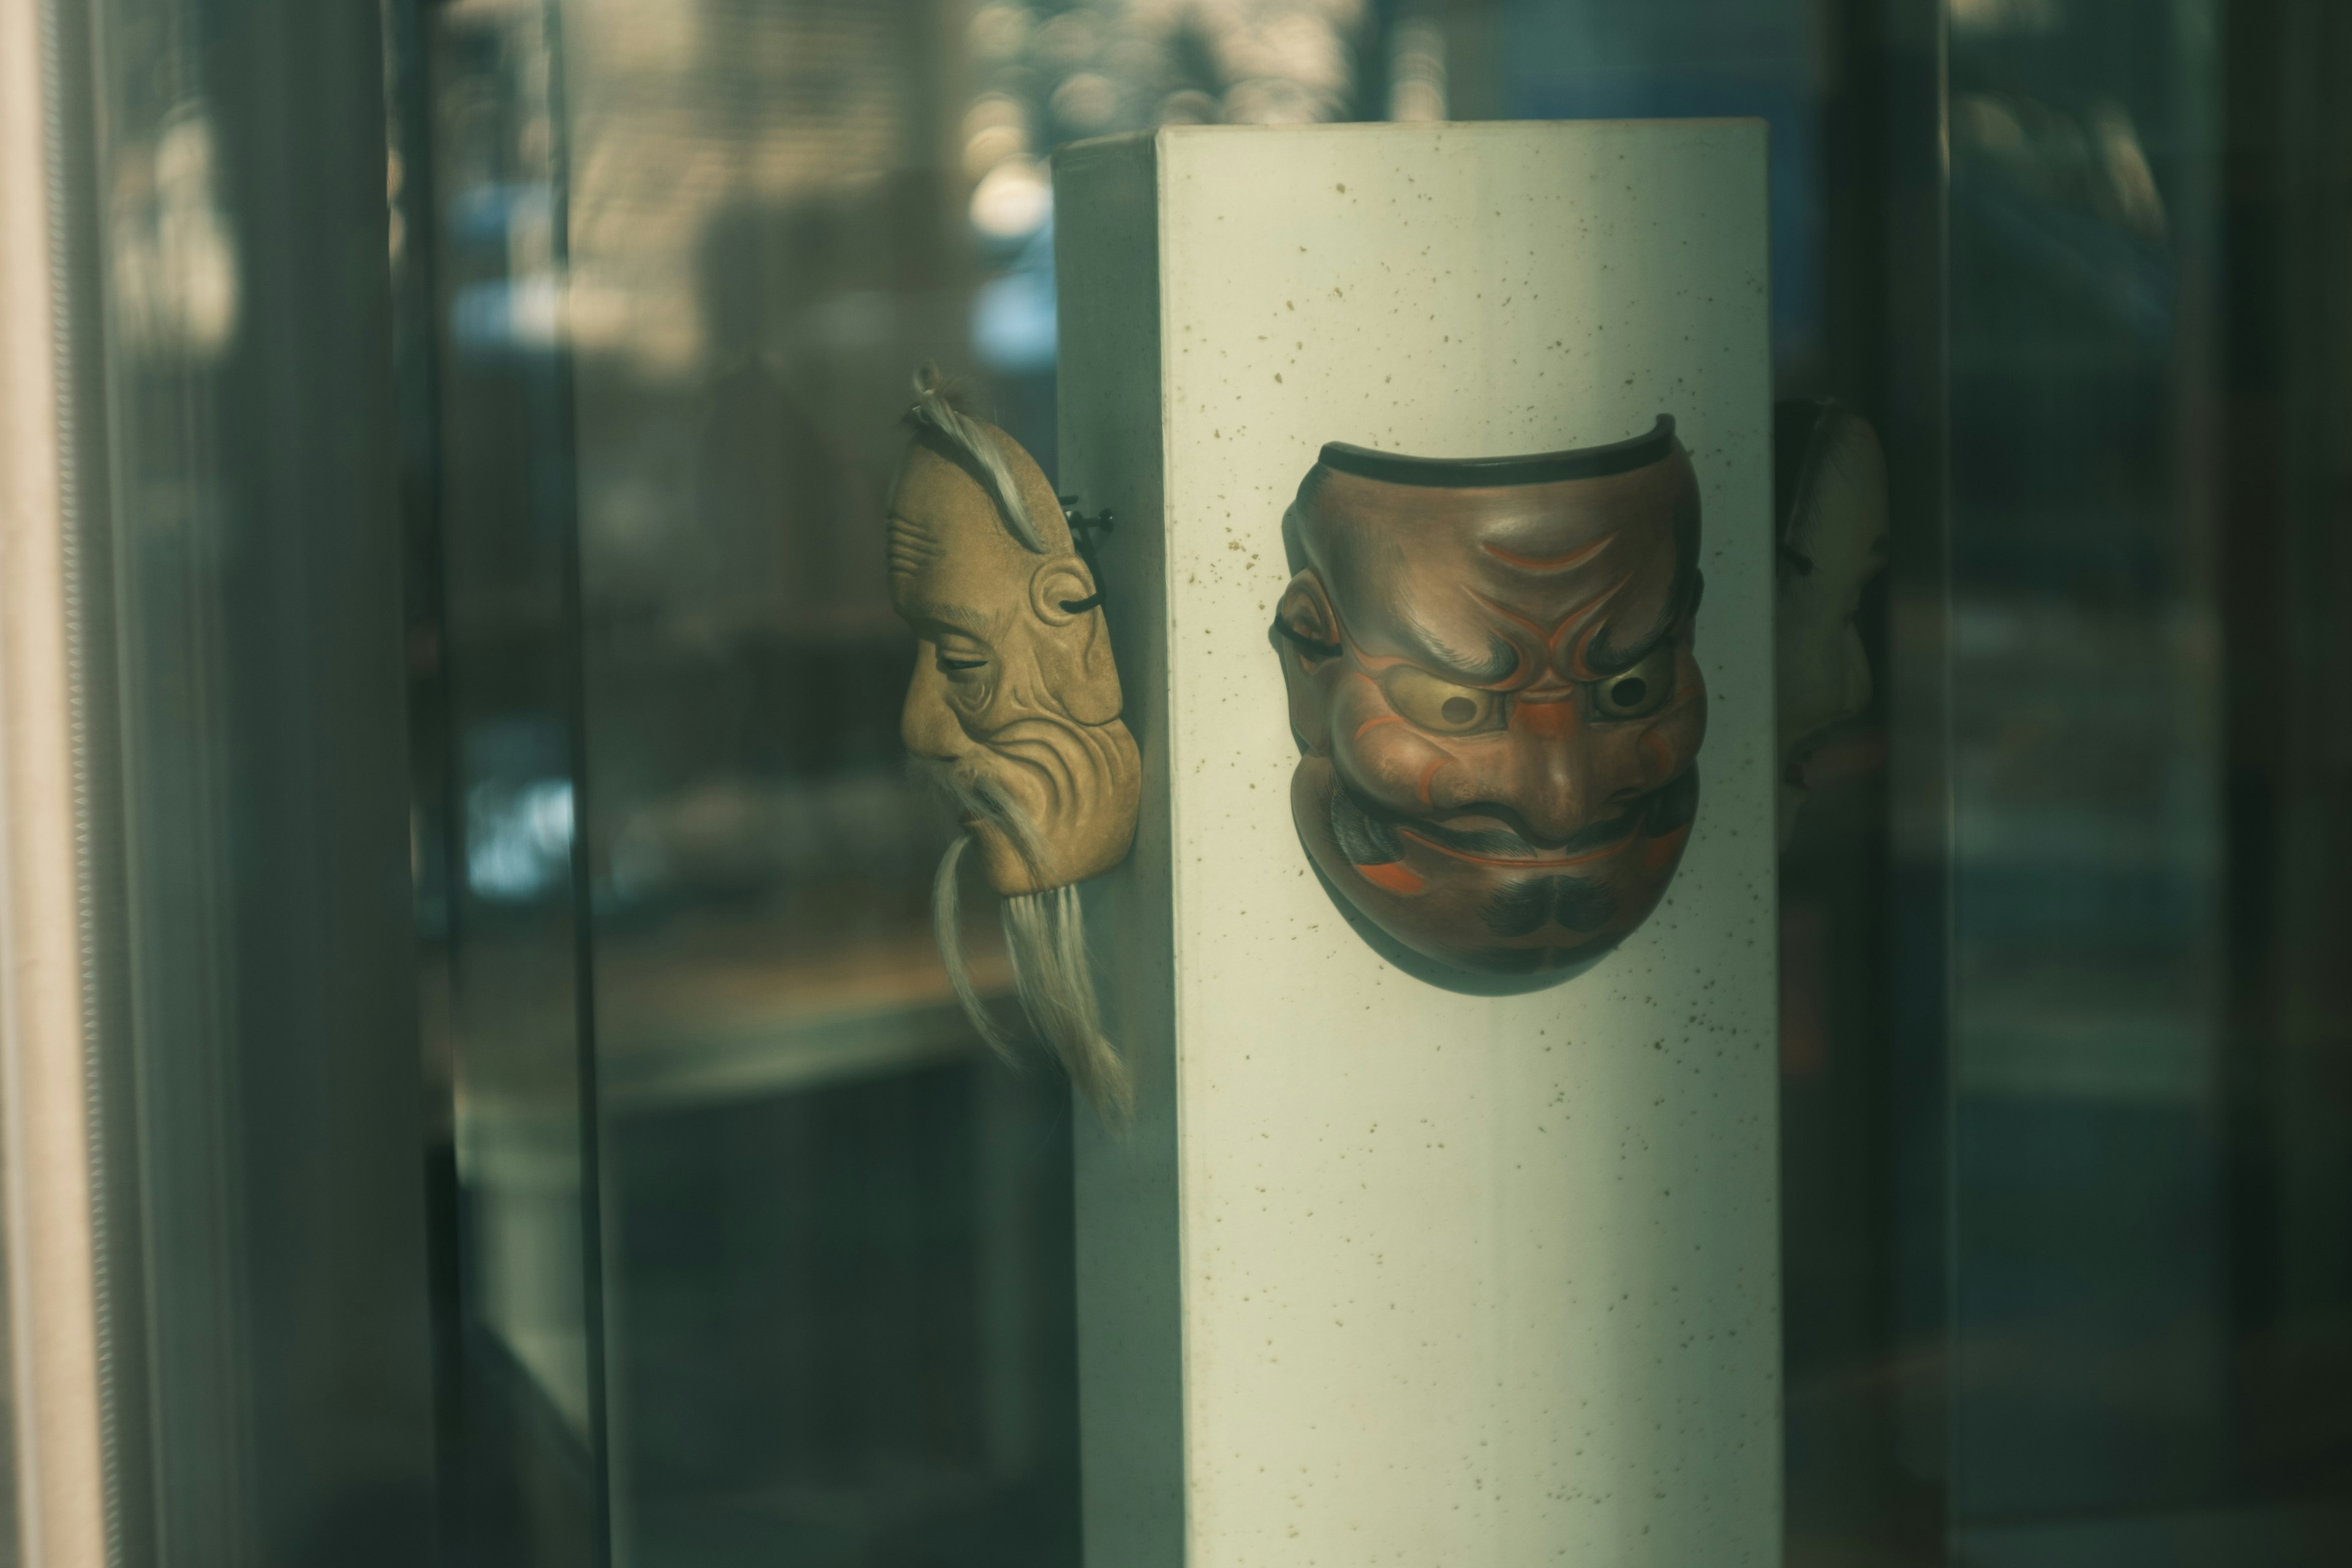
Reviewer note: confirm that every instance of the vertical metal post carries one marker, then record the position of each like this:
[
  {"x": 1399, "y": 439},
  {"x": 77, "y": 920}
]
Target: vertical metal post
[{"x": 47, "y": 1168}]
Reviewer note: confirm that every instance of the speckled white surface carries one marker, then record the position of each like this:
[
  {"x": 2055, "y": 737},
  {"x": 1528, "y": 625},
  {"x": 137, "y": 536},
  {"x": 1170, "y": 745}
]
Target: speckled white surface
[{"x": 1434, "y": 1279}]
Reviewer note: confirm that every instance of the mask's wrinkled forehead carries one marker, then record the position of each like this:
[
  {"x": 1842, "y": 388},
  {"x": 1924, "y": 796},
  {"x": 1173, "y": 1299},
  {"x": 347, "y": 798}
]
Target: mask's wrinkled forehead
[
  {"x": 942, "y": 481},
  {"x": 918, "y": 542},
  {"x": 1497, "y": 585},
  {"x": 946, "y": 531}
]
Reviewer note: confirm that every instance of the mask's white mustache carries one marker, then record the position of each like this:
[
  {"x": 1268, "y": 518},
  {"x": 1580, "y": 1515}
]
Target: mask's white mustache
[
  {"x": 1045, "y": 933},
  {"x": 980, "y": 801}
]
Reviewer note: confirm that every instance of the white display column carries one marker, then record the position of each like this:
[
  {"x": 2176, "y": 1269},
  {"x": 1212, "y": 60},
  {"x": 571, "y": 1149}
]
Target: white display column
[{"x": 1386, "y": 1273}]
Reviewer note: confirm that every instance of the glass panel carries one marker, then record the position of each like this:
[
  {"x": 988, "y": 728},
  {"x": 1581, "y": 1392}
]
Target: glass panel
[
  {"x": 840, "y": 1272},
  {"x": 179, "y": 294},
  {"x": 253, "y": 1094},
  {"x": 495, "y": 649},
  {"x": 2062, "y": 1168},
  {"x": 2091, "y": 1350},
  {"x": 235, "y": 986},
  {"x": 2137, "y": 657},
  {"x": 2282, "y": 571}
]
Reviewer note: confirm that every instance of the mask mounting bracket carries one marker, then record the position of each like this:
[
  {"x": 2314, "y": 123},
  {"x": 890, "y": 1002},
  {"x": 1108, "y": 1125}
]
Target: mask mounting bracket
[{"x": 1083, "y": 530}]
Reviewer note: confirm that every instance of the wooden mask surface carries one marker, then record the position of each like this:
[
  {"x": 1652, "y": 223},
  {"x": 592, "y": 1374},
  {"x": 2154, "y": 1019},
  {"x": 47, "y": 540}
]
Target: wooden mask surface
[
  {"x": 1492, "y": 685},
  {"x": 1014, "y": 705}
]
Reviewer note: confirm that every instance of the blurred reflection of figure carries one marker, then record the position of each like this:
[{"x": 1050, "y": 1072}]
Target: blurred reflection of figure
[
  {"x": 175, "y": 264},
  {"x": 1830, "y": 485}
]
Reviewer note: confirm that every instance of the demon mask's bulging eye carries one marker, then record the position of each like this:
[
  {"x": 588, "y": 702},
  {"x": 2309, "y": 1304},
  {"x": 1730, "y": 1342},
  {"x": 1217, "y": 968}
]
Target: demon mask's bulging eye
[
  {"x": 1440, "y": 705},
  {"x": 1638, "y": 692}
]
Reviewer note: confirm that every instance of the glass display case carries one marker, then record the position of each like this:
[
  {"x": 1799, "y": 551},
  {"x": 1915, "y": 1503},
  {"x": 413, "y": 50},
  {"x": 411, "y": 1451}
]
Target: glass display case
[
  {"x": 2048, "y": 1193},
  {"x": 735, "y": 1242}
]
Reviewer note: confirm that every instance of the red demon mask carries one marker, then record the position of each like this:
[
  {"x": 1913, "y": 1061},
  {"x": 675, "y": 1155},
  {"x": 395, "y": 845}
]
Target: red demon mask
[{"x": 1491, "y": 682}]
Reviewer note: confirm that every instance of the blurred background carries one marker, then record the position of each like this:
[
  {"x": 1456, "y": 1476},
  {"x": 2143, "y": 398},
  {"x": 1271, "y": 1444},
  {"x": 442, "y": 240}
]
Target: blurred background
[
  {"x": 743, "y": 1219},
  {"x": 740, "y": 1248}
]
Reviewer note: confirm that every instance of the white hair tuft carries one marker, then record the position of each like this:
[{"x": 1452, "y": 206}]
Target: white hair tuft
[
  {"x": 1046, "y": 932},
  {"x": 1045, "y": 935},
  {"x": 932, "y": 408},
  {"x": 944, "y": 927}
]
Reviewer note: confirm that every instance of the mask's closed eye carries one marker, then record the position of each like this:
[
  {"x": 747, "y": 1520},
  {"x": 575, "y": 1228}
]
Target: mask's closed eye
[
  {"x": 1638, "y": 692},
  {"x": 958, "y": 657},
  {"x": 1439, "y": 705}
]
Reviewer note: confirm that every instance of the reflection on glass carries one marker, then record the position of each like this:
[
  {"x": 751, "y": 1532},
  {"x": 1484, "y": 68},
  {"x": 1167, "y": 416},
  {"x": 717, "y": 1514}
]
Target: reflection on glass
[
  {"x": 836, "y": 1238},
  {"x": 494, "y": 645},
  {"x": 840, "y": 1236},
  {"x": 2089, "y": 1342},
  {"x": 838, "y": 1268}
]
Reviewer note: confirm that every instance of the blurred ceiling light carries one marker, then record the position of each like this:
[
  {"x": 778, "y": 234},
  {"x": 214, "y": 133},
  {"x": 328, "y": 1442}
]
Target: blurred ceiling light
[
  {"x": 994, "y": 128},
  {"x": 1306, "y": 49},
  {"x": 1255, "y": 61},
  {"x": 1417, "y": 71},
  {"x": 1272, "y": 100},
  {"x": 991, "y": 146},
  {"x": 1071, "y": 38},
  {"x": 1013, "y": 326},
  {"x": 1013, "y": 199},
  {"x": 1189, "y": 107},
  {"x": 991, "y": 110},
  {"x": 999, "y": 32},
  {"x": 1085, "y": 102}
]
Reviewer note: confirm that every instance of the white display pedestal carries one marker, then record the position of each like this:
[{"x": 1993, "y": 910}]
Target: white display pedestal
[{"x": 1386, "y": 1273}]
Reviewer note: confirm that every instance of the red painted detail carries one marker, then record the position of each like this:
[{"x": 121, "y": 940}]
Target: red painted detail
[
  {"x": 1524, "y": 863},
  {"x": 1391, "y": 878},
  {"x": 1577, "y": 665},
  {"x": 1552, "y": 718},
  {"x": 1512, "y": 616},
  {"x": 1660, "y": 852},
  {"x": 1548, "y": 563},
  {"x": 1376, "y": 723}
]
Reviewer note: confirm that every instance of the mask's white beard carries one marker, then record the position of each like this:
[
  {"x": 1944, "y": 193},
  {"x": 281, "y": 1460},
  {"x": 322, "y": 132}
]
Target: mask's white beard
[
  {"x": 1046, "y": 932},
  {"x": 946, "y": 931}
]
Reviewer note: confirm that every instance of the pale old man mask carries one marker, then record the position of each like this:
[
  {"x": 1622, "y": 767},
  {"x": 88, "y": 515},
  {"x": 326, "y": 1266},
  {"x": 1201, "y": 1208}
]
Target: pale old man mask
[
  {"x": 1014, "y": 711},
  {"x": 1491, "y": 680}
]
